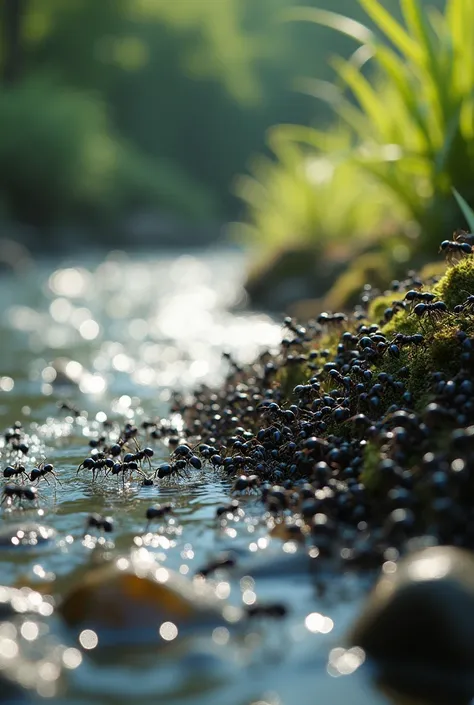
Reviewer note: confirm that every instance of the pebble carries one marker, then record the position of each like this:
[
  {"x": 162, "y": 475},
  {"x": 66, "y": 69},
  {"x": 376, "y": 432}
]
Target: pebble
[
  {"x": 418, "y": 625},
  {"x": 134, "y": 599}
]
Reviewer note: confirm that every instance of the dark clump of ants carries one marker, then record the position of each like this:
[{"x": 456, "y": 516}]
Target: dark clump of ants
[
  {"x": 122, "y": 458},
  {"x": 354, "y": 436},
  {"x": 340, "y": 428}
]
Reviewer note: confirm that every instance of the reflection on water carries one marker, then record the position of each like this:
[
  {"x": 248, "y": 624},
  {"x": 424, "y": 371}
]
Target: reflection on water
[
  {"x": 113, "y": 337},
  {"x": 133, "y": 325}
]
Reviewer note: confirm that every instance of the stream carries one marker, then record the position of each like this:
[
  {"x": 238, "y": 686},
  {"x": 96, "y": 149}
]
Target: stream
[{"x": 112, "y": 335}]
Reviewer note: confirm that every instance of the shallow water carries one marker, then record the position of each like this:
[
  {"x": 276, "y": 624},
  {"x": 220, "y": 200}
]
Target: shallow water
[{"x": 129, "y": 330}]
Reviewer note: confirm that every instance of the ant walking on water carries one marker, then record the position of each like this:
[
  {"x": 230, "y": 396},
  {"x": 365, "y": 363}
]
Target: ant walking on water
[{"x": 42, "y": 471}]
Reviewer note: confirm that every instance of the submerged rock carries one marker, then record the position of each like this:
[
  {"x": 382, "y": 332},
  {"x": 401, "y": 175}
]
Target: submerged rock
[
  {"x": 25, "y": 535},
  {"x": 135, "y": 600},
  {"x": 418, "y": 625}
]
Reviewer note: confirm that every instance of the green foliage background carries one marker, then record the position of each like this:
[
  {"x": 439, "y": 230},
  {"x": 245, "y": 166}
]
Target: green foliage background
[
  {"x": 123, "y": 103},
  {"x": 401, "y": 137}
]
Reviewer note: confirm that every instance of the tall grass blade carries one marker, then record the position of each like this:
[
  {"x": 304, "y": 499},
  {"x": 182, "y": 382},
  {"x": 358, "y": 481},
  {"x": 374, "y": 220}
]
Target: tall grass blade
[
  {"x": 466, "y": 209},
  {"x": 392, "y": 29},
  {"x": 356, "y": 30},
  {"x": 333, "y": 96},
  {"x": 398, "y": 76},
  {"x": 364, "y": 93},
  {"x": 417, "y": 21}
]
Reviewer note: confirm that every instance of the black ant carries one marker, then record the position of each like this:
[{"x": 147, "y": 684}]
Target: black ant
[
  {"x": 115, "y": 449},
  {"x": 468, "y": 305},
  {"x": 166, "y": 470},
  {"x": 19, "y": 492},
  {"x": 15, "y": 471},
  {"x": 97, "y": 442},
  {"x": 389, "y": 312},
  {"x": 453, "y": 249},
  {"x": 126, "y": 467},
  {"x": 184, "y": 452},
  {"x": 130, "y": 431},
  {"x": 147, "y": 425},
  {"x": 14, "y": 433},
  {"x": 67, "y": 406},
  {"x": 158, "y": 511},
  {"x": 401, "y": 339},
  {"x": 436, "y": 310},
  {"x": 231, "y": 508},
  {"x": 42, "y": 471},
  {"x": 275, "y": 610},
  {"x": 226, "y": 560},
  {"x": 96, "y": 464},
  {"x": 275, "y": 499},
  {"x": 463, "y": 236},
  {"x": 139, "y": 455},
  {"x": 419, "y": 296},
  {"x": 246, "y": 482},
  {"x": 331, "y": 318},
  {"x": 20, "y": 448},
  {"x": 96, "y": 521},
  {"x": 289, "y": 323}
]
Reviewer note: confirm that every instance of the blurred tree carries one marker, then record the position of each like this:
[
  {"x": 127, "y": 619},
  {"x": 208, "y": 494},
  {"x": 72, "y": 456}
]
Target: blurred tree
[{"x": 193, "y": 82}]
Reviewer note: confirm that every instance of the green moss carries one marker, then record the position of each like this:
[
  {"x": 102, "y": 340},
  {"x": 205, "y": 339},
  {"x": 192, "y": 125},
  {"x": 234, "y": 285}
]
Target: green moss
[
  {"x": 403, "y": 322},
  {"x": 370, "y": 476},
  {"x": 444, "y": 349},
  {"x": 289, "y": 376},
  {"x": 432, "y": 271},
  {"x": 378, "y": 305},
  {"x": 440, "y": 353},
  {"x": 457, "y": 284},
  {"x": 419, "y": 379}
]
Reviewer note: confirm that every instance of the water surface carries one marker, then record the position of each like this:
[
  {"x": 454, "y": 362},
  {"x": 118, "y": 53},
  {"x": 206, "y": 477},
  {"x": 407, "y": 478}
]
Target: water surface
[{"x": 127, "y": 330}]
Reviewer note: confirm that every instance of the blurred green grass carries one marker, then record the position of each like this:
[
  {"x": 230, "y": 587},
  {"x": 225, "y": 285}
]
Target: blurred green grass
[
  {"x": 402, "y": 135},
  {"x": 338, "y": 129},
  {"x": 176, "y": 96}
]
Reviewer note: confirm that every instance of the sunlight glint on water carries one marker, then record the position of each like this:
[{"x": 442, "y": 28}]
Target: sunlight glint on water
[{"x": 115, "y": 336}]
